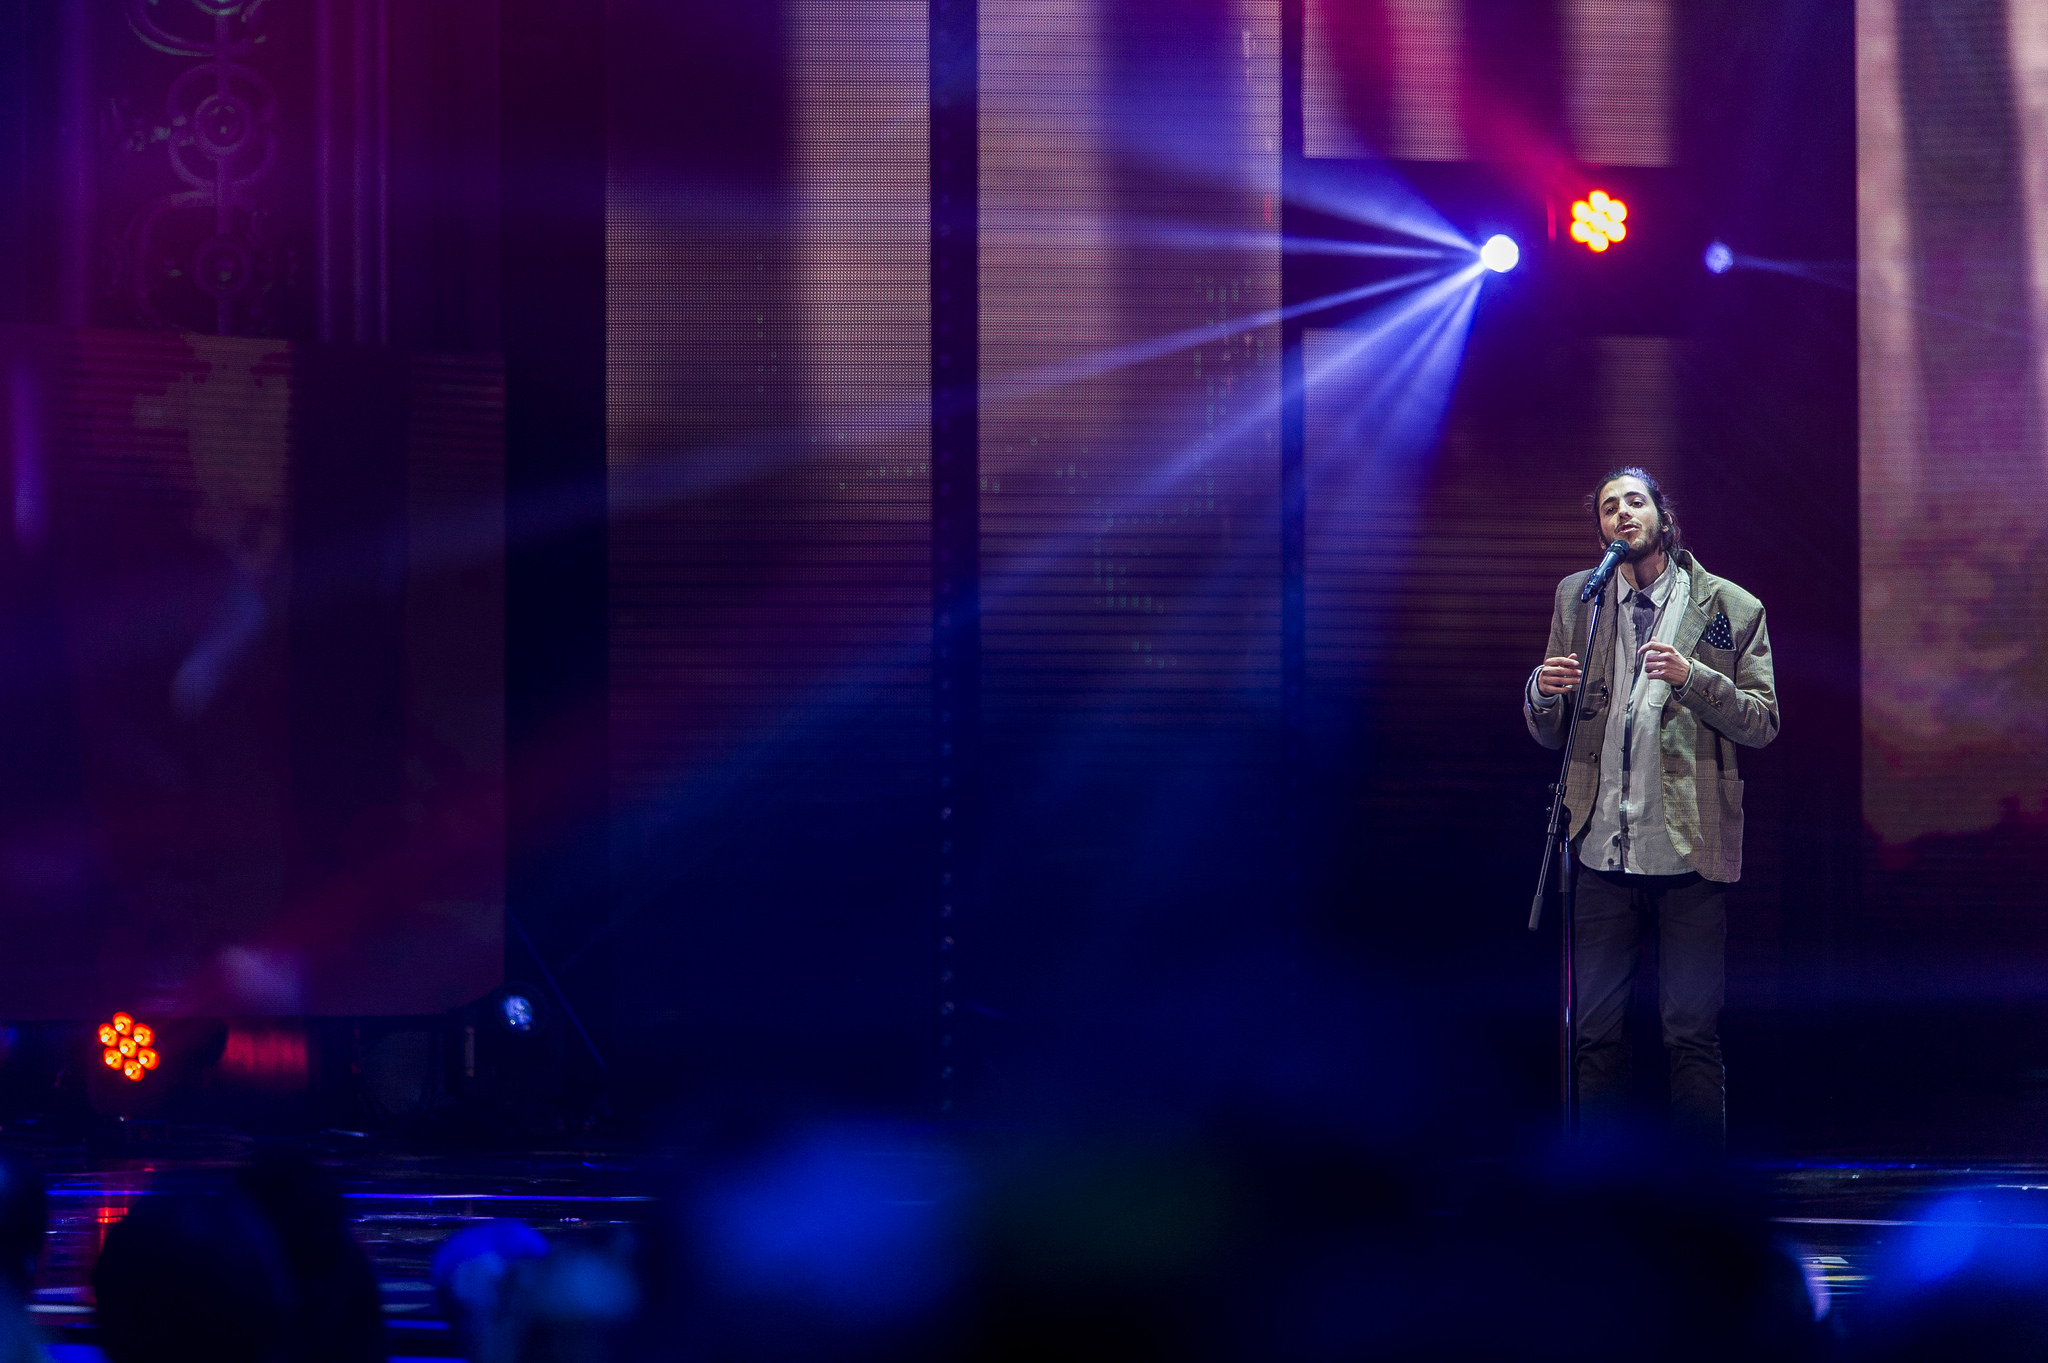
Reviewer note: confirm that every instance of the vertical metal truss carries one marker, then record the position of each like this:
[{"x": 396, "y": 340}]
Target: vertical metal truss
[{"x": 955, "y": 493}]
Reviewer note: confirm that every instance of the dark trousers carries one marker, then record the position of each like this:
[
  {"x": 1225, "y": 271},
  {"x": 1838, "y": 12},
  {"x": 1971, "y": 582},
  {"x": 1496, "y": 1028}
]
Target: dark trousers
[{"x": 1611, "y": 916}]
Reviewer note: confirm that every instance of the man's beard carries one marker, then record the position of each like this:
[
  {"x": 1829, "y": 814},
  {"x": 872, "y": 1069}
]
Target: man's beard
[{"x": 1653, "y": 543}]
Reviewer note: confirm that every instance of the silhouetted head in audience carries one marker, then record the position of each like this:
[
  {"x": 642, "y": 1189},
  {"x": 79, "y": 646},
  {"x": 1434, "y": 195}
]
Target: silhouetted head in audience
[
  {"x": 24, "y": 1213},
  {"x": 516, "y": 1297},
  {"x": 478, "y": 1273},
  {"x": 194, "y": 1277},
  {"x": 340, "y": 1317},
  {"x": 22, "y": 1218}
]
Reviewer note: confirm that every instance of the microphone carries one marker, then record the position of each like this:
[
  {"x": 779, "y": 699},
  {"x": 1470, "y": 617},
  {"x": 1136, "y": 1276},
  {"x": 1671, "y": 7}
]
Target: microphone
[{"x": 1615, "y": 553}]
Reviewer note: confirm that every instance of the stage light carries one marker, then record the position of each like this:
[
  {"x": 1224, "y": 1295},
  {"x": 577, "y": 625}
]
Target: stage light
[
  {"x": 1599, "y": 221},
  {"x": 127, "y": 1047},
  {"x": 1719, "y": 258},
  {"x": 517, "y": 1011},
  {"x": 1500, "y": 254}
]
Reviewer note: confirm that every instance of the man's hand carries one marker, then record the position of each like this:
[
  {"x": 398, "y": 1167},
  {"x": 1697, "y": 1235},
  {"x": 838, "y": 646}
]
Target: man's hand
[
  {"x": 1662, "y": 661},
  {"x": 1558, "y": 676}
]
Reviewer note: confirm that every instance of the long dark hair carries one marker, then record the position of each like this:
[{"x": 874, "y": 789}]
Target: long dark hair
[{"x": 1669, "y": 538}]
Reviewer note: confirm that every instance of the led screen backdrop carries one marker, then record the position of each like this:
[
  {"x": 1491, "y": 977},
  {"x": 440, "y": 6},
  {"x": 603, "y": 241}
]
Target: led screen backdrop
[
  {"x": 1953, "y": 141},
  {"x": 1129, "y": 479},
  {"x": 1130, "y": 528},
  {"x": 1424, "y": 80},
  {"x": 770, "y": 711},
  {"x": 254, "y": 734}
]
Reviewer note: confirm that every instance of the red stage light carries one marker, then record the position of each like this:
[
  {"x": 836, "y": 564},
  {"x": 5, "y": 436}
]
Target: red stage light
[{"x": 1599, "y": 221}]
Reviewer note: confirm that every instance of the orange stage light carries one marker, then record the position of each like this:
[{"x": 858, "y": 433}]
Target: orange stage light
[
  {"x": 127, "y": 1047},
  {"x": 1599, "y": 221}
]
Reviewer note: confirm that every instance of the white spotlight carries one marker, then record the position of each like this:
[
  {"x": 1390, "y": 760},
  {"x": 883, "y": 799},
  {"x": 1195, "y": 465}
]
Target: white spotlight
[{"x": 1500, "y": 254}]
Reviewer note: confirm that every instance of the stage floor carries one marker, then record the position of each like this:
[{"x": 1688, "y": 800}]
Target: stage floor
[{"x": 1841, "y": 1216}]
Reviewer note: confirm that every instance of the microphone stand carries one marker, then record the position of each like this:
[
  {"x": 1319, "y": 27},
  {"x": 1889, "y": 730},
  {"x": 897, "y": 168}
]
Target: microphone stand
[{"x": 1567, "y": 1028}]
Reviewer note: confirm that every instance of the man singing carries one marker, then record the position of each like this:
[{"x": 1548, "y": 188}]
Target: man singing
[{"x": 1681, "y": 678}]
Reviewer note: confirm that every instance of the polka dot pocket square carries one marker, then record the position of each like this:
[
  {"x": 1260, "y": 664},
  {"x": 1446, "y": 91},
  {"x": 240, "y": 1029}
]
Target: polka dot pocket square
[{"x": 1718, "y": 634}]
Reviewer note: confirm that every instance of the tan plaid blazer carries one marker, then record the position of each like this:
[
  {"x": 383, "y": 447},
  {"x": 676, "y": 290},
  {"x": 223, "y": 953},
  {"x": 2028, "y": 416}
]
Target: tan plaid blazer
[{"x": 1729, "y": 702}]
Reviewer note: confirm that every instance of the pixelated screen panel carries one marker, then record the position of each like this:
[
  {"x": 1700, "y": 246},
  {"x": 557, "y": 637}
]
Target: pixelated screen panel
[
  {"x": 1953, "y": 137},
  {"x": 768, "y": 378},
  {"x": 256, "y": 726},
  {"x": 769, "y": 407},
  {"x": 1383, "y": 79},
  {"x": 1397, "y": 78},
  {"x": 1129, "y": 512},
  {"x": 1617, "y": 56}
]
